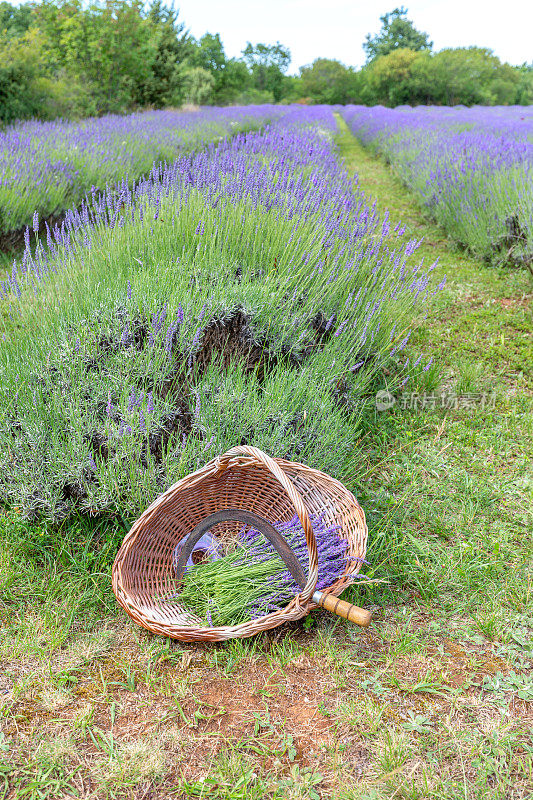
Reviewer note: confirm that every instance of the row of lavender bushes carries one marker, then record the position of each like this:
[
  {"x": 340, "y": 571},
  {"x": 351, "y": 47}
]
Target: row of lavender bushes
[
  {"x": 49, "y": 167},
  {"x": 246, "y": 293},
  {"x": 472, "y": 168}
]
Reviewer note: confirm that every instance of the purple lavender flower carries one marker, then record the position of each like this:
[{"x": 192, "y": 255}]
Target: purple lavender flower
[
  {"x": 341, "y": 328},
  {"x": 196, "y": 338},
  {"x": 329, "y": 323},
  {"x": 332, "y": 557},
  {"x": 169, "y": 338},
  {"x": 210, "y": 443},
  {"x": 404, "y": 341}
]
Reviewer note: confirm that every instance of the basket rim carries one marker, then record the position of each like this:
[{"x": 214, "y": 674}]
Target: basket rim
[{"x": 297, "y": 607}]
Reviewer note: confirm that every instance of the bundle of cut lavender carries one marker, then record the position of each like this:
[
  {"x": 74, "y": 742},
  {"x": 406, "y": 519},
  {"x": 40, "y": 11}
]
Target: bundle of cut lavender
[{"x": 252, "y": 580}]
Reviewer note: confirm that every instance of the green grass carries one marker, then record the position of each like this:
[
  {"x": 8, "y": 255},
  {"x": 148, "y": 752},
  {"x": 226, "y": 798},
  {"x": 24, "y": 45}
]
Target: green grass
[{"x": 430, "y": 702}]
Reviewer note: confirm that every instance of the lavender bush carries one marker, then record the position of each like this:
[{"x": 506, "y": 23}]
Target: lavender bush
[
  {"x": 245, "y": 293},
  {"x": 470, "y": 167},
  {"x": 48, "y": 167}
]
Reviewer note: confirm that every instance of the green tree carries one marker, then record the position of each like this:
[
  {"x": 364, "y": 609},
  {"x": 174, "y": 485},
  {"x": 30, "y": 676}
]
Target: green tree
[
  {"x": 397, "y": 33},
  {"x": 27, "y": 89},
  {"x": 268, "y": 64},
  {"x": 524, "y": 86},
  {"x": 470, "y": 75},
  {"x": 172, "y": 47},
  {"x": 329, "y": 81},
  {"x": 235, "y": 79},
  {"x": 464, "y": 75},
  {"x": 390, "y": 79},
  {"x": 198, "y": 85},
  {"x": 209, "y": 54},
  {"x": 229, "y": 75},
  {"x": 22, "y": 92},
  {"x": 108, "y": 45},
  {"x": 15, "y": 21}
]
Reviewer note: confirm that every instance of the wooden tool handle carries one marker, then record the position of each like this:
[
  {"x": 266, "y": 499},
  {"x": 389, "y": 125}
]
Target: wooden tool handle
[{"x": 343, "y": 609}]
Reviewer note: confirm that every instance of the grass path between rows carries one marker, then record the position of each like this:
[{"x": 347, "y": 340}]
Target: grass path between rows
[{"x": 432, "y": 701}]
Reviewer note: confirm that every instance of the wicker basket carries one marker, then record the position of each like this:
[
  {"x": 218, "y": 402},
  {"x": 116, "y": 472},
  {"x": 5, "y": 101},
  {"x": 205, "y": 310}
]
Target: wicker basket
[{"x": 243, "y": 478}]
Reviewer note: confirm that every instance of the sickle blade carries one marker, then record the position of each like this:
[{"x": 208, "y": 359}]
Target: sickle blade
[{"x": 277, "y": 541}]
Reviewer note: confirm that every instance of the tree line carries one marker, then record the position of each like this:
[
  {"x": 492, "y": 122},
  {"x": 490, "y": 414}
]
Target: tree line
[{"x": 65, "y": 58}]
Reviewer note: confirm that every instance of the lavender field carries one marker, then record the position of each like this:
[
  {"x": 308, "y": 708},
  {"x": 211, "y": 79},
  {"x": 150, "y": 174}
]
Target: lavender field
[
  {"x": 471, "y": 168},
  {"x": 178, "y": 283},
  {"x": 246, "y": 292},
  {"x": 47, "y": 167}
]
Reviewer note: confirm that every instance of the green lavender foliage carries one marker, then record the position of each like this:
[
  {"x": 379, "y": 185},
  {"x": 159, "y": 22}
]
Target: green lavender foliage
[
  {"x": 222, "y": 592},
  {"x": 72, "y": 436}
]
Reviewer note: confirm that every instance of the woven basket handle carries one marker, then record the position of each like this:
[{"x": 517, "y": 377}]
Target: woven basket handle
[{"x": 244, "y": 454}]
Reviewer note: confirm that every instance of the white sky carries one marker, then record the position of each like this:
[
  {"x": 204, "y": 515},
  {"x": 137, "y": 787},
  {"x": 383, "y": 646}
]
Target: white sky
[{"x": 337, "y": 28}]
